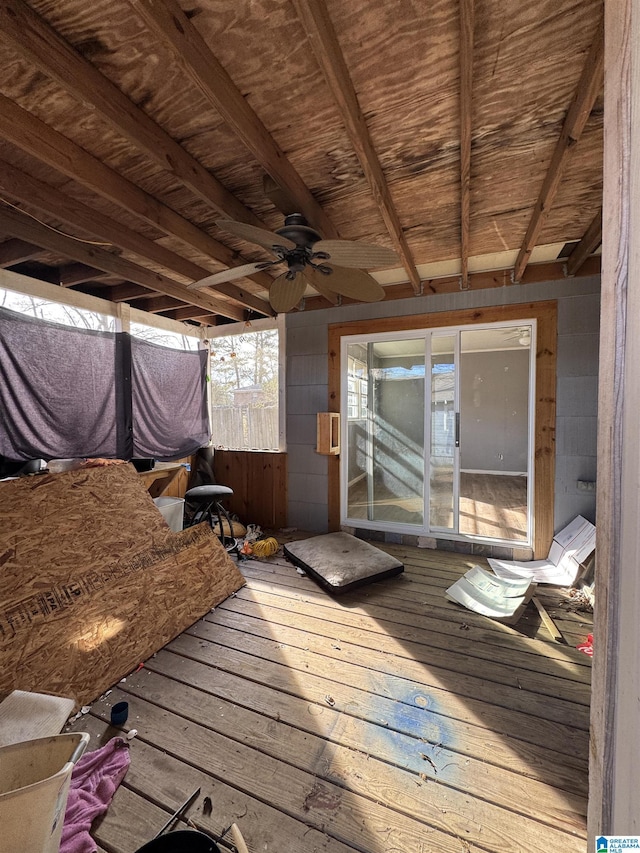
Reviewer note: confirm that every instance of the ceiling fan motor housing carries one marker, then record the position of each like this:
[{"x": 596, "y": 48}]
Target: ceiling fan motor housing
[{"x": 295, "y": 228}]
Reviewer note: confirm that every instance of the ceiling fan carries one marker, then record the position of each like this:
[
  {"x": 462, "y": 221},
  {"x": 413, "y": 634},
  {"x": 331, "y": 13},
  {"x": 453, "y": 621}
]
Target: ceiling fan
[{"x": 329, "y": 266}]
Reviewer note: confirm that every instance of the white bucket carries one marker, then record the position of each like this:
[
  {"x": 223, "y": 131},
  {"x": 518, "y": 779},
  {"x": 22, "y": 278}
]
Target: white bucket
[
  {"x": 34, "y": 783},
  {"x": 172, "y": 510}
]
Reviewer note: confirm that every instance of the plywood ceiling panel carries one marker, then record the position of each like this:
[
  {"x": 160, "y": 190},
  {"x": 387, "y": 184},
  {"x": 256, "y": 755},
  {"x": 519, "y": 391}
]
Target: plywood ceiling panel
[{"x": 403, "y": 61}]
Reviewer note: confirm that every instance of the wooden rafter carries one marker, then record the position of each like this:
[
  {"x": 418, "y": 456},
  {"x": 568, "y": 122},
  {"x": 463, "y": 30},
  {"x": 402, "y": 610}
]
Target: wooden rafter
[
  {"x": 71, "y": 274},
  {"x": 34, "y": 39},
  {"x": 467, "y": 14},
  {"x": 169, "y": 23},
  {"x": 45, "y": 198},
  {"x": 157, "y": 304},
  {"x": 189, "y": 312},
  {"x": 589, "y": 86},
  {"x": 34, "y": 136},
  {"x": 324, "y": 42},
  {"x": 128, "y": 291},
  {"x": 587, "y": 246},
  {"x": 14, "y": 251},
  {"x": 25, "y": 228}
]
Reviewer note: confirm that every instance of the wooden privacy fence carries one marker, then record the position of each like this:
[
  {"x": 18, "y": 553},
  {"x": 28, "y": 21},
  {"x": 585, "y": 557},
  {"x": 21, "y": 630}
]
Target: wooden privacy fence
[{"x": 245, "y": 427}]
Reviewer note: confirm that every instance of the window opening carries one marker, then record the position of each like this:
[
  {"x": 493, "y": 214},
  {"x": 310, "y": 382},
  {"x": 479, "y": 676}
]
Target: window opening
[
  {"x": 245, "y": 388},
  {"x": 56, "y": 312},
  {"x": 164, "y": 337}
]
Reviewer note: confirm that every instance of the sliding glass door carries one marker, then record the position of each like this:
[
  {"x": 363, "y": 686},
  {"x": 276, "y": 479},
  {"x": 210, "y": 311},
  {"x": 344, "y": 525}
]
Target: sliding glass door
[{"x": 444, "y": 451}]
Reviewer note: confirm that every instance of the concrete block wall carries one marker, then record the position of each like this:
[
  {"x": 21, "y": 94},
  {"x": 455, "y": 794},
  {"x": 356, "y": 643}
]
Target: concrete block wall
[
  {"x": 577, "y": 406},
  {"x": 307, "y": 383},
  {"x": 577, "y": 370}
]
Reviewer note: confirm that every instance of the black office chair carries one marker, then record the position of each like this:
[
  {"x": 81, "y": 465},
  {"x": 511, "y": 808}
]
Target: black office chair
[{"x": 206, "y": 497}]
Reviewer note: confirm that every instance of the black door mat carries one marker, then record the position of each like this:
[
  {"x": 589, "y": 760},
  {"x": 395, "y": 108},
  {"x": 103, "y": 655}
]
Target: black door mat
[{"x": 339, "y": 562}]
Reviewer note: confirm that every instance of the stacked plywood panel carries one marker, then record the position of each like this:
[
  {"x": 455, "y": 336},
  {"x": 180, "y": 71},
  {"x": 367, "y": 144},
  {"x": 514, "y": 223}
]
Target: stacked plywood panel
[{"x": 92, "y": 581}]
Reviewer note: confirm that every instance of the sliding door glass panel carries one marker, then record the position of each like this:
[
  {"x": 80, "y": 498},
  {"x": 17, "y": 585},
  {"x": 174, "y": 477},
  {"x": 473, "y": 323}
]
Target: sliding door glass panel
[
  {"x": 494, "y": 432},
  {"x": 359, "y": 459},
  {"x": 385, "y": 431},
  {"x": 442, "y": 457}
]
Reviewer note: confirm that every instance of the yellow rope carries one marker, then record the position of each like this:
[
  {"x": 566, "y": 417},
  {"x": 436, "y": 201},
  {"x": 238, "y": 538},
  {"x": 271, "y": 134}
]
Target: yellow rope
[{"x": 265, "y": 547}]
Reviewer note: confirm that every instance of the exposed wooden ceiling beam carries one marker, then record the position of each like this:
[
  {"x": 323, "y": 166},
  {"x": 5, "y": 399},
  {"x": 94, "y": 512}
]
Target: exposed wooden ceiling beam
[
  {"x": 34, "y": 39},
  {"x": 157, "y": 304},
  {"x": 587, "y": 91},
  {"x": 168, "y": 22},
  {"x": 325, "y": 45},
  {"x": 189, "y": 312},
  {"x": 22, "y": 226},
  {"x": 34, "y": 136},
  {"x": 71, "y": 274},
  {"x": 202, "y": 320},
  {"x": 587, "y": 246},
  {"x": 129, "y": 291},
  {"x": 15, "y": 251},
  {"x": 50, "y": 200},
  {"x": 467, "y": 15}
]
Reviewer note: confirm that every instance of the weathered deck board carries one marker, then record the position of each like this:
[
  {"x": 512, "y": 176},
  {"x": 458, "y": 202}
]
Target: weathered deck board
[
  {"x": 404, "y": 593},
  {"x": 341, "y": 624},
  {"x": 375, "y": 616},
  {"x": 423, "y": 715},
  {"x": 336, "y": 766},
  {"x": 360, "y": 724},
  {"x": 436, "y": 668},
  {"x": 391, "y": 745}
]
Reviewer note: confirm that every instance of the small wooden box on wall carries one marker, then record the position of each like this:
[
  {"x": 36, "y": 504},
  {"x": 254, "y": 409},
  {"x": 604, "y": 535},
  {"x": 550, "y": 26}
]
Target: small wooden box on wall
[{"x": 328, "y": 433}]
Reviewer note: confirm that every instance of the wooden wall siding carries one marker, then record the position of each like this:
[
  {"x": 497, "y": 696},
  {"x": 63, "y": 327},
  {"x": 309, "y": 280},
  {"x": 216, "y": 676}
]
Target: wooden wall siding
[
  {"x": 544, "y": 460},
  {"x": 259, "y": 483}
]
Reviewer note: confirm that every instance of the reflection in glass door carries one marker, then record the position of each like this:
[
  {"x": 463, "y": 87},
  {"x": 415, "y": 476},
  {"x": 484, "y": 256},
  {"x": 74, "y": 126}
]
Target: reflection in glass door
[
  {"x": 496, "y": 385},
  {"x": 385, "y": 431},
  {"x": 448, "y": 458},
  {"x": 444, "y": 439}
]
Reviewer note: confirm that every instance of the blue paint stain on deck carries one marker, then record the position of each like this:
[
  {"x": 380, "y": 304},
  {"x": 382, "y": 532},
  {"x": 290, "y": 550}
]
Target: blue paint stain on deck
[{"x": 412, "y": 734}]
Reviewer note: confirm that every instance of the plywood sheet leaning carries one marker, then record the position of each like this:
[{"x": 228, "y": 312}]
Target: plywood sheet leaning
[{"x": 92, "y": 581}]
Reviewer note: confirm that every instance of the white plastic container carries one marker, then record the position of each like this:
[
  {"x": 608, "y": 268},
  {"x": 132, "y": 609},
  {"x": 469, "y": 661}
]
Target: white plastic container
[
  {"x": 172, "y": 510},
  {"x": 34, "y": 784},
  {"x": 58, "y": 466}
]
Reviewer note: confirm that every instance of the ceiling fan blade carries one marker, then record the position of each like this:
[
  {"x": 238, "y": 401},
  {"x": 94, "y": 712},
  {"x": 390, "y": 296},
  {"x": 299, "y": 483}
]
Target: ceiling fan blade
[
  {"x": 349, "y": 253},
  {"x": 285, "y": 293},
  {"x": 264, "y": 238},
  {"x": 228, "y": 275},
  {"x": 356, "y": 284},
  {"x": 321, "y": 283}
]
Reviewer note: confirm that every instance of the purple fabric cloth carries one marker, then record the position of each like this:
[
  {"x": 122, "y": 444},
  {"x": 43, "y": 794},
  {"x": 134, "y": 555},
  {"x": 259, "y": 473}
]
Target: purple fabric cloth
[{"x": 94, "y": 781}]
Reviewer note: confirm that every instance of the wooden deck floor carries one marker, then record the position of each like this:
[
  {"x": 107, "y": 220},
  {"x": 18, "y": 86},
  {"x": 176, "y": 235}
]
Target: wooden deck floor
[{"x": 389, "y": 721}]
